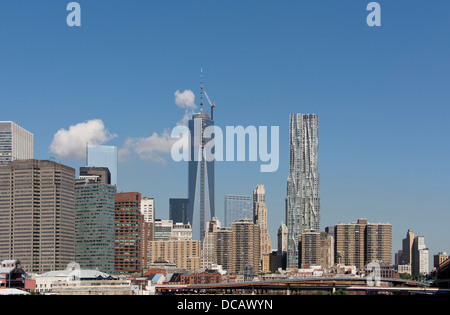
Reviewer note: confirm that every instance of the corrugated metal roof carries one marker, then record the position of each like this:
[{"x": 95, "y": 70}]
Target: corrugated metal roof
[
  {"x": 13, "y": 292},
  {"x": 83, "y": 274}
]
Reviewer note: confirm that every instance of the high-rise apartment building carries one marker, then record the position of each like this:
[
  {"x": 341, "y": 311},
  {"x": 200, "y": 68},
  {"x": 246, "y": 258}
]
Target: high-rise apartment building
[
  {"x": 316, "y": 249},
  {"x": 104, "y": 156},
  {"x": 223, "y": 250},
  {"x": 209, "y": 256},
  {"x": 37, "y": 214},
  {"x": 129, "y": 224},
  {"x": 186, "y": 254},
  {"x": 216, "y": 248},
  {"x": 360, "y": 243},
  {"x": 245, "y": 247},
  {"x": 378, "y": 243},
  {"x": 309, "y": 248},
  {"x": 179, "y": 210},
  {"x": 16, "y": 143},
  {"x": 94, "y": 224},
  {"x": 326, "y": 250},
  {"x": 237, "y": 207},
  {"x": 302, "y": 201}
]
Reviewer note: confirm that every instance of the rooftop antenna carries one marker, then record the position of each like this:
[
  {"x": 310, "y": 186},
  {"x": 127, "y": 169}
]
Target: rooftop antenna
[{"x": 201, "y": 90}]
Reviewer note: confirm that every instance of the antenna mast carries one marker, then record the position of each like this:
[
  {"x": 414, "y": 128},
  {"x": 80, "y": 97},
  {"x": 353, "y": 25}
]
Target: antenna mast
[{"x": 201, "y": 90}]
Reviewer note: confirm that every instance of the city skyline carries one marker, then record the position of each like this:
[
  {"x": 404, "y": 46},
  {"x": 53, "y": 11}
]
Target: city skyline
[{"x": 379, "y": 93}]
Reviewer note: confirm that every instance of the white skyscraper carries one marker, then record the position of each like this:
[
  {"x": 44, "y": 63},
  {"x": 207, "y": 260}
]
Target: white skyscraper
[
  {"x": 148, "y": 209},
  {"x": 16, "y": 143},
  {"x": 420, "y": 257},
  {"x": 302, "y": 201}
]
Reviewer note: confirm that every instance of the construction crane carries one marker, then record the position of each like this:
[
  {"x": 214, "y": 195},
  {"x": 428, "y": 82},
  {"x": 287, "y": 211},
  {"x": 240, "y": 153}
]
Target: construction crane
[{"x": 213, "y": 105}]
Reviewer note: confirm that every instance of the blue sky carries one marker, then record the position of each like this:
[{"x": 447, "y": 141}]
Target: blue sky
[{"x": 380, "y": 94}]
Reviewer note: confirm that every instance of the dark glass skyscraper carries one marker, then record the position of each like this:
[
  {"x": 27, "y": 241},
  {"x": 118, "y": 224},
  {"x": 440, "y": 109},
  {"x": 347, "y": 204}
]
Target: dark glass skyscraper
[
  {"x": 201, "y": 177},
  {"x": 237, "y": 207},
  {"x": 94, "y": 223},
  {"x": 179, "y": 210}
]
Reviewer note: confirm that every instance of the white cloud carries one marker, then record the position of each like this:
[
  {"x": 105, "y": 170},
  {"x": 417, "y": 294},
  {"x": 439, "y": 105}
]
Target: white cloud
[
  {"x": 155, "y": 147},
  {"x": 185, "y": 99},
  {"x": 149, "y": 148},
  {"x": 71, "y": 144}
]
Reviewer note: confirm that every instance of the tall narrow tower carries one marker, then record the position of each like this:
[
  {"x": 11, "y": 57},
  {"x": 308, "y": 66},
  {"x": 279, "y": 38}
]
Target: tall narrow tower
[
  {"x": 302, "y": 201},
  {"x": 201, "y": 173}
]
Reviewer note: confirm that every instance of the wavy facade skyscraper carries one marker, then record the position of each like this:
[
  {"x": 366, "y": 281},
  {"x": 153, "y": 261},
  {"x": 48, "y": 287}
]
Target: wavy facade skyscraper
[{"x": 302, "y": 201}]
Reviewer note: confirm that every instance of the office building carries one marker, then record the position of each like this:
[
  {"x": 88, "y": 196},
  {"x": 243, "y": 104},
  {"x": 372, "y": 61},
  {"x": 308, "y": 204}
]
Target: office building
[
  {"x": 360, "y": 243},
  {"x": 261, "y": 220},
  {"x": 282, "y": 238},
  {"x": 104, "y": 156},
  {"x": 407, "y": 248},
  {"x": 439, "y": 259},
  {"x": 330, "y": 230},
  {"x": 414, "y": 256},
  {"x": 128, "y": 223},
  {"x": 179, "y": 210},
  {"x": 259, "y": 195},
  {"x": 201, "y": 177},
  {"x": 201, "y": 188},
  {"x": 237, "y": 207},
  {"x": 302, "y": 201},
  {"x": 282, "y": 245},
  {"x": 37, "y": 214},
  {"x": 181, "y": 231},
  {"x": 94, "y": 224},
  {"x": 101, "y": 174},
  {"x": 148, "y": 209},
  {"x": 420, "y": 257},
  {"x": 163, "y": 229},
  {"x": 16, "y": 143}
]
